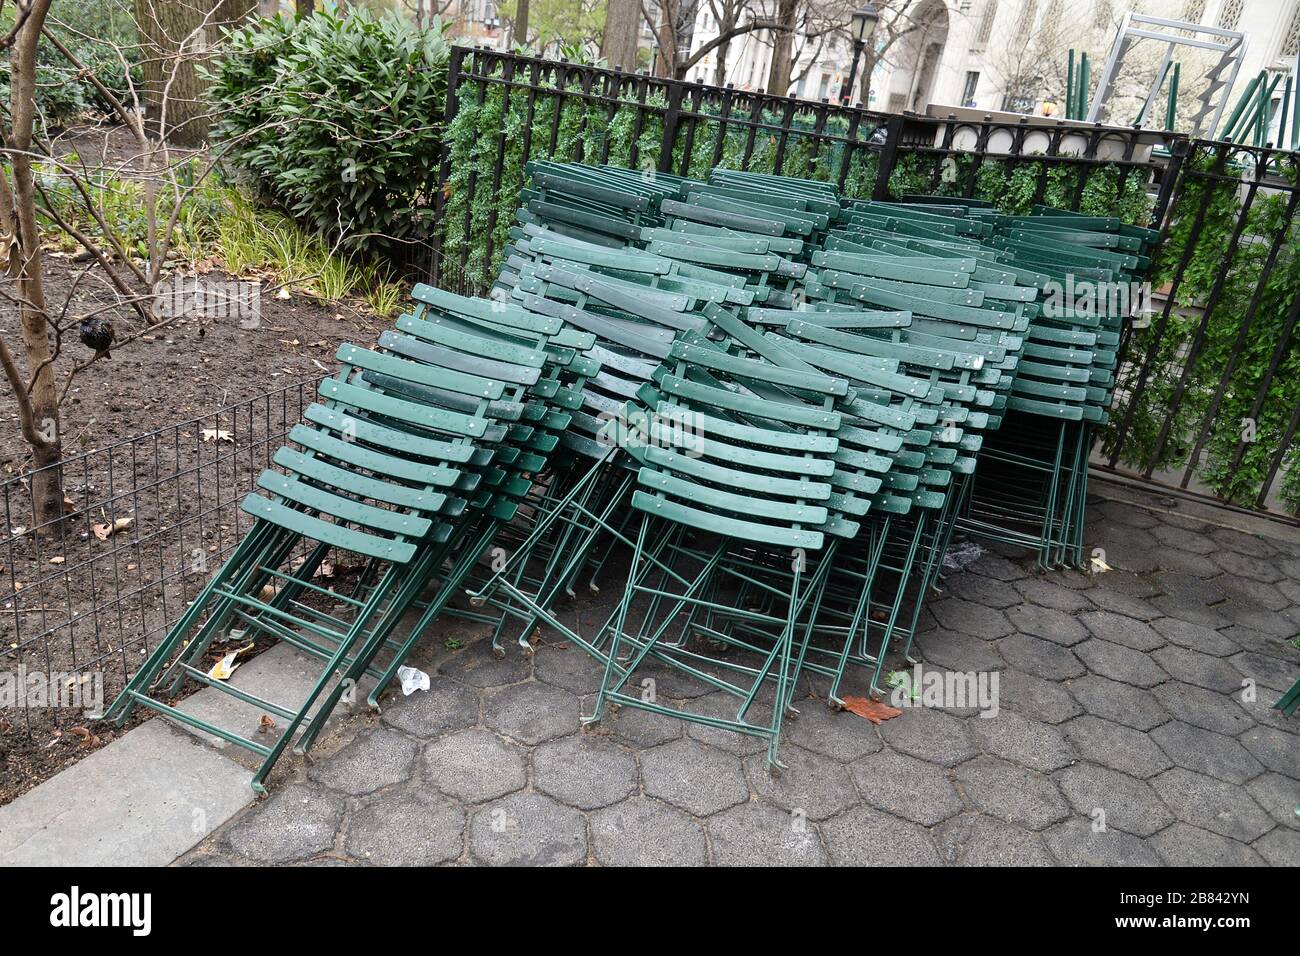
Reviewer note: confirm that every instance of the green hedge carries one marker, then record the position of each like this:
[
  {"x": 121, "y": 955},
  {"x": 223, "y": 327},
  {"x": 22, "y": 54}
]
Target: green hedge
[{"x": 338, "y": 120}]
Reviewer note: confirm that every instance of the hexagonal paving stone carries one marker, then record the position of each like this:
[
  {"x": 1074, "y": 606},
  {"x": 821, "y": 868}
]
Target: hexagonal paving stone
[
  {"x": 641, "y": 832},
  {"x": 1116, "y": 746},
  {"x": 445, "y": 706},
  {"x": 1191, "y": 589},
  {"x": 1021, "y": 740},
  {"x": 1203, "y": 708},
  {"x": 724, "y": 705},
  {"x": 1245, "y": 566},
  {"x": 584, "y": 771},
  {"x": 531, "y": 713},
  {"x": 866, "y": 837},
  {"x": 958, "y": 651},
  {"x": 1034, "y": 697},
  {"x": 1252, "y": 592},
  {"x": 643, "y": 728},
  {"x": 1118, "y": 702},
  {"x": 931, "y": 735},
  {"x": 698, "y": 778},
  {"x": 1076, "y": 842},
  {"x": 840, "y": 735},
  {"x": 1261, "y": 642},
  {"x": 1206, "y": 752},
  {"x": 1012, "y": 793},
  {"x": 1119, "y": 629},
  {"x": 969, "y": 618},
  {"x": 293, "y": 824},
  {"x": 1280, "y": 848},
  {"x": 1256, "y": 618},
  {"x": 1275, "y": 749},
  {"x": 1211, "y": 617},
  {"x": 474, "y": 765},
  {"x": 1278, "y": 796},
  {"x": 1184, "y": 539},
  {"x": 979, "y": 589},
  {"x": 1271, "y": 672},
  {"x": 568, "y": 666},
  {"x": 998, "y": 568},
  {"x": 1183, "y": 845},
  {"x": 377, "y": 759},
  {"x": 669, "y": 681},
  {"x": 906, "y": 787},
  {"x": 407, "y": 829},
  {"x": 1212, "y": 804},
  {"x": 477, "y": 667},
  {"x": 1120, "y": 663},
  {"x": 1239, "y": 541},
  {"x": 1040, "y": 658},
  {"x": 1109, "y": 598},
  {"x": 814, "y": 784},
  {"x": 1125, "y": 803},
  {"x": 976, "y": 840},
  {"x": 1194, "y": 637},
  {"x": 528, "y": 829},
  {"x": 1047, "y": 623},
  {"x": 1198, "y": 565},
  {"x": 1048, "y": 593},
  {"x": 755, "y": 834},
  {"x": 1193, "y": 667}
]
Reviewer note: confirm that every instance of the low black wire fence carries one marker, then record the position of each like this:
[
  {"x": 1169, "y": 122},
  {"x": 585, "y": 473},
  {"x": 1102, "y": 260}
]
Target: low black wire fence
[{"x": 83, "y": 600}]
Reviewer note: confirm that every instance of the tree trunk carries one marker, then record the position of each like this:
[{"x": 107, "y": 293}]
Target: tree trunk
[
  {"x": 869, "y": 60},
  {"x": 778, "y": 78},
  {"x": 41, "y": 427},
  {"x": 173, "y": 37},
  {"x": 720, "y": 68},
  {"x": 519, "y": 28},
  {"x": 618, "y": 43}
]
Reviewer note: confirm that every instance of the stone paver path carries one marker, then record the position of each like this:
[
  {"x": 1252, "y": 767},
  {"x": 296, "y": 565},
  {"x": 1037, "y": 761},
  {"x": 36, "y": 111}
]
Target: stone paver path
[{"x": 1123, "y": 736}]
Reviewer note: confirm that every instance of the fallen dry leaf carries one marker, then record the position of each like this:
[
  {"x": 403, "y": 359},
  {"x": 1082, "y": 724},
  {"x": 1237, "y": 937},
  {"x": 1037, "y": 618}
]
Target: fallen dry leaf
[
  {"x": 265, "y": 725},
  {"x": 59, "y": 559},
  {"x": 85, "y": 736},
  {"x": 872, "y": 710},
  {"x": 216, "y": 434},
  {"x": 102, "y": 531}
]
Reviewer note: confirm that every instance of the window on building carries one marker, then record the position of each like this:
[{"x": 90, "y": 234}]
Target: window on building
[
  {"x": 987, "y": 17},
  {"x": 968, "y": 91},
  {"x": 1193, "y": 11},
  {"x": 1025, "y": 21},
  {"x": 823, "y": 86},
  {"x": 1230, "y": 14},
  {"x": 1291, "y": 38}
]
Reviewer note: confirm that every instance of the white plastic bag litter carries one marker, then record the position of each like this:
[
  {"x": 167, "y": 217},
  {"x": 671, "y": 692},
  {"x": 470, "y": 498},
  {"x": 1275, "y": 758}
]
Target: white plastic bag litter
[
  {"x": 412, "y": 679},
  {"x": 962, "y": 555}
]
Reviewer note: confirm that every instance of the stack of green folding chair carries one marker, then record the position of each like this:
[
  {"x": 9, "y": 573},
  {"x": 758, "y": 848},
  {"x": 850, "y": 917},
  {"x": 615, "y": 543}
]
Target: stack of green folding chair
[{"x": 416, "y": 452}]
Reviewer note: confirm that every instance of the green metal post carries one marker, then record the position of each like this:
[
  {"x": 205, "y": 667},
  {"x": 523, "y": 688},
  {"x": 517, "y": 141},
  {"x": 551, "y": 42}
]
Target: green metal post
[
  {"x": 1171, "y": 112},
  {"x": 1069, "y": 86},
  {"x": 1231, "y": 127}
]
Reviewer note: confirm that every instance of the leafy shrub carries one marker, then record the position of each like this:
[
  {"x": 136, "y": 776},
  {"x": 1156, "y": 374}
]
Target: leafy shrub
[
  {"x": 338, "y": 121},
  {"x": 94, "y": 35}
]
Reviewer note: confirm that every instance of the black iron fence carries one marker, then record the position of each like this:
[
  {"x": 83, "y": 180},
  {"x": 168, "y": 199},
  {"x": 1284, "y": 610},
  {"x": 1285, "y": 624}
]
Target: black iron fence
[
  {"x": 1209, "y": 393},
  {"x": 504, "y": 109},
  {"x": 84, "y": 599}
]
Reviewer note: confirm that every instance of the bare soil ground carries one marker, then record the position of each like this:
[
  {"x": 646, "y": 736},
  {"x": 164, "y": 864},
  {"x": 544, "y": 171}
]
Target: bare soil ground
[{"x": 81, "y": 601}]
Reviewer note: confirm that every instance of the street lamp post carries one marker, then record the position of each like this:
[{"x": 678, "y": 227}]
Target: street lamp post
[{"x": 861, "y": 24}]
